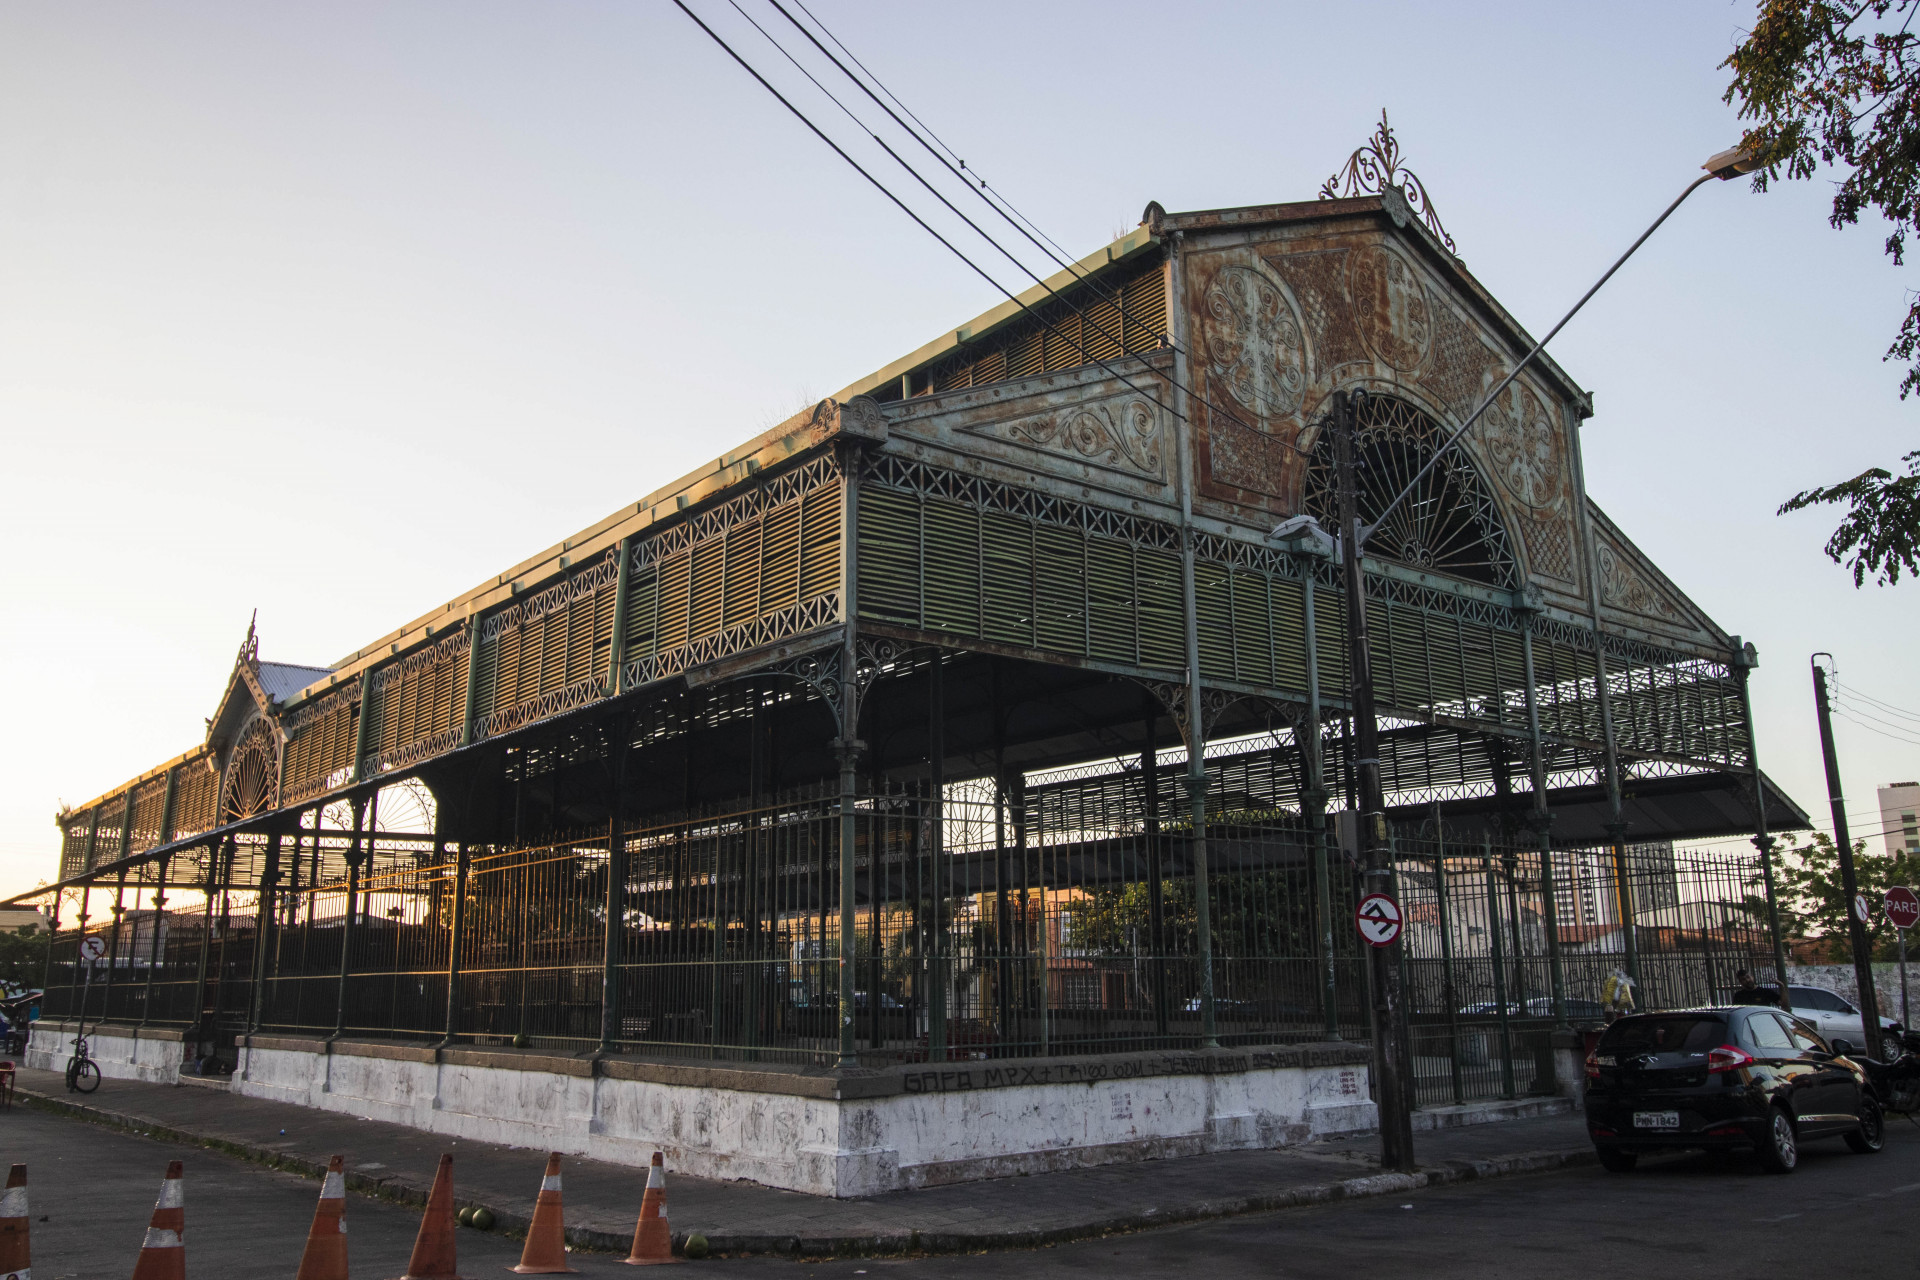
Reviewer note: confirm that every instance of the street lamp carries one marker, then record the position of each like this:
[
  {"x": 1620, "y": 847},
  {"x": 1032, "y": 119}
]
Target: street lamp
[{"x": 1390, "y": 1030}]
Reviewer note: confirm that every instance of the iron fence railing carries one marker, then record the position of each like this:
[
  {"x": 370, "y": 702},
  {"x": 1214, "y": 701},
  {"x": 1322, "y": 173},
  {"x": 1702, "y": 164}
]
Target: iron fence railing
[{"x": 1034, "y": 917}]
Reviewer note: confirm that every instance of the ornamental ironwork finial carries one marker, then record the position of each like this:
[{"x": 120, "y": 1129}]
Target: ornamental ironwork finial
[
  {"x": 1374, "y": 169},
  {"x": 250, "y": 647}
]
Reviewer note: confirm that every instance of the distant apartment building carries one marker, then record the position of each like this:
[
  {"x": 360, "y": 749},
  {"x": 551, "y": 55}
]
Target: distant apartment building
[{"x": 1900, "y": 816}]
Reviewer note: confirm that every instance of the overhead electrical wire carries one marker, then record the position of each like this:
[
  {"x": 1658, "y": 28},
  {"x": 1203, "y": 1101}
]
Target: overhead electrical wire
[
  {"x": 1077, "y": 345},
  {"x": 983, "y": 183},
  {"x": 1100, "y": 291},
  {"x": 1012, "y": 216},
  {"x": 1884, "y": 706},
  {"x": 901, "y": 204}
]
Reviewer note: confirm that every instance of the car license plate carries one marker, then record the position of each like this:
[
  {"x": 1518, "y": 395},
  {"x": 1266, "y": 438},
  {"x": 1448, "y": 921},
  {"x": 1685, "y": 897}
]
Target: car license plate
[{"x": 1656, "y": 1119}]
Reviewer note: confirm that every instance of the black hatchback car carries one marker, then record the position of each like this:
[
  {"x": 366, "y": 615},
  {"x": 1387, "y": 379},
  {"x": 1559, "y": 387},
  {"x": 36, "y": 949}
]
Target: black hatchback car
[{"x": 1741, "y": 1078}]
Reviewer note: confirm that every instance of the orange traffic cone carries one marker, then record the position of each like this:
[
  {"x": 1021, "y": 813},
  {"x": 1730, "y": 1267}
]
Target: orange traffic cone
[
  {"x": 546, "y": 1250},
  {"x": 326, "y": 1255},
  {"x": 163, "y": 1254},
  {"x": 652, "y": 1237},
  {"x": 433, "y": 1248},
  {"x": 16, "y": 1259}
]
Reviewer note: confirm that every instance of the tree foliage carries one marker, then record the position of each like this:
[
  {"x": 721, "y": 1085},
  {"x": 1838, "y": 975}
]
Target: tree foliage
[
  {"x": 1836, "y": 84},
  {"x": 1813, "y": 902},
  {"x": 23, "y": 958}
]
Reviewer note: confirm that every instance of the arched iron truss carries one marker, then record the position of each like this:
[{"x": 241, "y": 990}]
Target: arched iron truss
[{"x": 1448, "y": 524}]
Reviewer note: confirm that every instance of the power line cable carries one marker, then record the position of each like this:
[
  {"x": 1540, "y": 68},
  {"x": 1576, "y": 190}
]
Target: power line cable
[
  {"x": 1884, "y": 706},
  {"x": 1841, "y": 709},
  {"x": 983, "y": 183},
  {"x": 904, "y": 207},
  {"x": 1114, "y": 296}
]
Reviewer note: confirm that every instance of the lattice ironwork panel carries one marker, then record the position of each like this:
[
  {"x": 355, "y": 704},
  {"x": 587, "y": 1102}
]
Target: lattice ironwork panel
[
  {"x": 548, "y": 654},
  {"x": 417, "y": 704},
  {"x": 751, "y": 572},
  {"x": 319, "y": 756}
]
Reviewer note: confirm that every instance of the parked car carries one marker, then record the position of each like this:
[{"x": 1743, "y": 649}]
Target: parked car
[
  {"x": 1832, "y": 1015},
  {"x": 1743, "y": 1077}
]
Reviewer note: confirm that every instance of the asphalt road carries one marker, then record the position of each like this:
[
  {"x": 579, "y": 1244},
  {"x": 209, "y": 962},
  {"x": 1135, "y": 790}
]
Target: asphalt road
[{"x": 1679, "y": 1217}]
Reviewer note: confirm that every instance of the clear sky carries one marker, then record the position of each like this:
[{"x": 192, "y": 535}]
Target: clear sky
[{"x": 335, "y": 310}]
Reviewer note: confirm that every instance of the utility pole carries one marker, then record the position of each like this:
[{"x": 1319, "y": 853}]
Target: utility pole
[
  {"x": 1396, "y": 1120},
  {"x": 1850, "y": 884}
]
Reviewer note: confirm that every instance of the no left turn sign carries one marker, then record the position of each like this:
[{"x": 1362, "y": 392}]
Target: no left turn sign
[
  {"x": 1378, "y": 917},
  {"x": 1863, "y": 907},
  {"x": 1903, "y": 907}
]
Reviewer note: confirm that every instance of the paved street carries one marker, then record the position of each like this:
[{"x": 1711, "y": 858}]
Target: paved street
[
  {"x": 1688, "y": 1216},
  {"x": 1684, "y": 1216}
]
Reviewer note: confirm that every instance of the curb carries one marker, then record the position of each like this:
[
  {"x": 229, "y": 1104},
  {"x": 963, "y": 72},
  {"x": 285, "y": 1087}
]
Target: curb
[{"x": 400, "y": 1189}]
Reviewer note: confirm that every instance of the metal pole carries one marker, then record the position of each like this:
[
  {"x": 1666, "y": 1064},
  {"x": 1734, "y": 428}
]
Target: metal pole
[
  {"x": 1745, "y": 662},
  {"x": 1196, "y": 779},
  {"x": 613, "y": 944},
  {"x": 454, "y": 943},
  {"x": 1313, "y": 800},
  {"x": 263, "y": 914},
  {"x": 1540, "y": 818},
  {"x": 937, "y": 850},
  {"x": 359, "y": 806},
  {"x": 1850, "y": 883},
  {"x": 1389, "y": 1032},
  {"x": 1494, "y": 929},
  {"x": 154, "y": 949},
  {"x": 1450, "y": 993},
  {"x": 1156, "y": 879},
  {"x": 1905, "y": 1015},
  {"x": 113, "y": 945}
]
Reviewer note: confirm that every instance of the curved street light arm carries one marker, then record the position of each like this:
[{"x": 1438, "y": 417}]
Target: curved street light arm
[{"x": 1366, "y": 531}]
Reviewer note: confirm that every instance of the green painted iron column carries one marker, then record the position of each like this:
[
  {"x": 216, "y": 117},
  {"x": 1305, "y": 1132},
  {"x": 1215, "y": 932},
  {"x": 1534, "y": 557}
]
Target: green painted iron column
[{"x": 1540, "y": 818}]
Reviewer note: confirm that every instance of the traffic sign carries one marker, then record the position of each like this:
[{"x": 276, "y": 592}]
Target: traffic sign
[
  {"x": 1903, "y": 907},
  {"x": 93, "y": 949},
  {"x": 1378, "y": 917},
  {"x": 1863, "y": 908}
]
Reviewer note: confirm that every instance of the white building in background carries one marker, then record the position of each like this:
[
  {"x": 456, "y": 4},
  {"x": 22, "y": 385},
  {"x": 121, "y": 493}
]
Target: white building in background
[{"x": 1900, "y": 816}]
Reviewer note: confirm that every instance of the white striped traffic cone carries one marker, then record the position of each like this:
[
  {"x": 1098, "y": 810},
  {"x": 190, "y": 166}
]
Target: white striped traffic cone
[{"x": 163, "y": 1254}]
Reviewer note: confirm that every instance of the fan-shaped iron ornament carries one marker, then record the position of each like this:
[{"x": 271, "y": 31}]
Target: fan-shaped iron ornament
[
  {"x": 253, "y": 774},
  {"x": 1375, "y": 168},
  {"x": 1448, "y": 524}
]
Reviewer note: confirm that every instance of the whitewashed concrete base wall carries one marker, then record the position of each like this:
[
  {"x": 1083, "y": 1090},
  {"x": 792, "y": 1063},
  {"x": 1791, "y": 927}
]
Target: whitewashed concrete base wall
[
  {"x": 122, "y": 1053},
  {"x": 851, "y": 1134}
]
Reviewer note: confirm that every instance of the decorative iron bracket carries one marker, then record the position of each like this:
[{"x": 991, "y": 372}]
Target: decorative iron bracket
[{"x": 1375, "y": 169}]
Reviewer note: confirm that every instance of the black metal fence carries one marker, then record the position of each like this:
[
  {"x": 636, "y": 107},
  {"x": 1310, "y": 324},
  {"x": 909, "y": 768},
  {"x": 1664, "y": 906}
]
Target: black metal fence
[{"x": 1048, "y": 914}]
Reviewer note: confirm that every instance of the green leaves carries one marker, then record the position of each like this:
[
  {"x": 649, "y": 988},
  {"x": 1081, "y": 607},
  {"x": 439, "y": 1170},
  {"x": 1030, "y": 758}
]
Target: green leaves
[
  {"x": 1813, "y": 901},
  {"x": 1829, "y": 84},
  {"x": 1881, "y": 534}
]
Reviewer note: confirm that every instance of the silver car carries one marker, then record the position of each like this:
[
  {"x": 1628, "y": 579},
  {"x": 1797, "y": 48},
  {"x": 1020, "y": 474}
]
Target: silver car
[{"x": 1832, "y": 1015}]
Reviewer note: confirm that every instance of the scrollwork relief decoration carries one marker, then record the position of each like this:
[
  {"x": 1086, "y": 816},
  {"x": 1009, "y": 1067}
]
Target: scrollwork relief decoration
[
  {"x": 1251, "y": 341},
  {"x": 1128, "y": 439},
  {"x": 1623, "y": 587},
  {"x": 1390, "y": 306}
]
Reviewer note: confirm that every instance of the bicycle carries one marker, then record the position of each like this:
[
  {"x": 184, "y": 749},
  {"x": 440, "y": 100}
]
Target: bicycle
[{"x": 83, "y": 1073}]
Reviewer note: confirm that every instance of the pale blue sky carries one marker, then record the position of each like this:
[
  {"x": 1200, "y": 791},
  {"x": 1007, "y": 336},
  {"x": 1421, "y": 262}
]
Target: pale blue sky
[{"x": 336, "y": 310}]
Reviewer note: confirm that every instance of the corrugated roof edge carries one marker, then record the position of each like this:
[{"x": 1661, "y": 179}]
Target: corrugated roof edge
[
  {"x": 799, "y": 434},
  {"x": 1123, "y": 249}
]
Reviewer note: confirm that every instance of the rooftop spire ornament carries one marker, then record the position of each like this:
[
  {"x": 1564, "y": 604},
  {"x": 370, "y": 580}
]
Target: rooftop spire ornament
[{"x": 1374, "y": 169}]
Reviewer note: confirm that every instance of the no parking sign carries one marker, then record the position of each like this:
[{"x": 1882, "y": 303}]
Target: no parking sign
[{"x": 1378, "y": 918}]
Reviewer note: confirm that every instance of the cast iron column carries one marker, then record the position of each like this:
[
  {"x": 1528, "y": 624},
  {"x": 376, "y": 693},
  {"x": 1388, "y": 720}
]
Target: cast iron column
[{"x": 1745, "y": 661}]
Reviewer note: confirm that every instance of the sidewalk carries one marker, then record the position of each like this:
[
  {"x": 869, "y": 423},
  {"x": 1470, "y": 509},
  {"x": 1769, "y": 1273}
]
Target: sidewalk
[{"x": 602, "y": 1200}]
